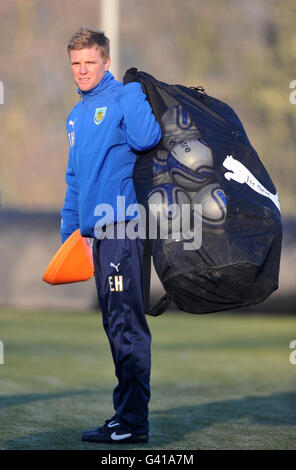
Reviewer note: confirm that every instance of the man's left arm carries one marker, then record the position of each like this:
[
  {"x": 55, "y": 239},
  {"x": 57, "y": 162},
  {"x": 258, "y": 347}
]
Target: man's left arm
[{"x": 141, "y": 129}]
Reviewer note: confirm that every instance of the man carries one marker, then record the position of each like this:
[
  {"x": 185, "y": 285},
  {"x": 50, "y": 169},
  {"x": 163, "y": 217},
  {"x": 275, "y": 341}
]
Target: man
[{"x": 108, "y": 122}]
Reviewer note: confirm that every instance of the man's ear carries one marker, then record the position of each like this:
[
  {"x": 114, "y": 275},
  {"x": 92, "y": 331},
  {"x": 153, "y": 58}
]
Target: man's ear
[{"x": 107, "y": 64}]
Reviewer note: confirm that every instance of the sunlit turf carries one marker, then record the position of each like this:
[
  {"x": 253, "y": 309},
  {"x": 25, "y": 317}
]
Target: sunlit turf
[{"x": 218, "y": 381}]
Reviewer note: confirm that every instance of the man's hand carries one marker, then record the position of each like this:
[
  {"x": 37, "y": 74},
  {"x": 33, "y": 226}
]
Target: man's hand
[{"x": 130, "y": 76}]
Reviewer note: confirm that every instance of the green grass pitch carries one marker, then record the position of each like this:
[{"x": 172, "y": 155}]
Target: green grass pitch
[{"x": 219, "y": 381}]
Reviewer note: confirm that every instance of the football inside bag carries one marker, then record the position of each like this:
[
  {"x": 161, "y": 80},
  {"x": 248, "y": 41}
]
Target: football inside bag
[{"x": 205, "y": 162}]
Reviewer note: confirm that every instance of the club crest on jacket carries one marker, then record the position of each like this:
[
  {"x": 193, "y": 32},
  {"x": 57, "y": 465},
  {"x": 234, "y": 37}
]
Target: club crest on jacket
[{"x": 100, "y": 113}]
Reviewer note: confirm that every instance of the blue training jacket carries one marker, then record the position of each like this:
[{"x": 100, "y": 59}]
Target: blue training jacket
[{"x": 109, "y": 121}]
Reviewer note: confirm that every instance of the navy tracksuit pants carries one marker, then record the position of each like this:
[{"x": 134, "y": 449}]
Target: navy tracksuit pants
[{"x": 119, "y": 281}]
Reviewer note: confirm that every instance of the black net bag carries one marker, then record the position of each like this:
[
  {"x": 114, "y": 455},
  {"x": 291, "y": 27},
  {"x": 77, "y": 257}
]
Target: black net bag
[{"x": 205, "y": 162}]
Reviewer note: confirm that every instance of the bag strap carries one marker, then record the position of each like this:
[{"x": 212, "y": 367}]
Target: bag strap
[
  {"x": 164, "y": 301},
  {"x": 146, "y": 275}
]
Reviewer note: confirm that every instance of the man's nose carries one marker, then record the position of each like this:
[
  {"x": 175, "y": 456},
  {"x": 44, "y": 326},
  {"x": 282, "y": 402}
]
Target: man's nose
[{"x": 83, "y": 69}]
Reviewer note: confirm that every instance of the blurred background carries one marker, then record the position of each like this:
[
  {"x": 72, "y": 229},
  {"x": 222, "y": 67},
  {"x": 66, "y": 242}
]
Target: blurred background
[{"x": 240, "y": 52}]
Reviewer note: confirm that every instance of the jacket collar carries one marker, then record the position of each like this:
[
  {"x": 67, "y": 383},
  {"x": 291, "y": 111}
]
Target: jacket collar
[{"x": 108, "y": 77}]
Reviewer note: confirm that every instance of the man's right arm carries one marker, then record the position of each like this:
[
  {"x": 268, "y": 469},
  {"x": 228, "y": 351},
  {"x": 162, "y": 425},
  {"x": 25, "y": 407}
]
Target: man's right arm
[{"x": 69, "y": 212}]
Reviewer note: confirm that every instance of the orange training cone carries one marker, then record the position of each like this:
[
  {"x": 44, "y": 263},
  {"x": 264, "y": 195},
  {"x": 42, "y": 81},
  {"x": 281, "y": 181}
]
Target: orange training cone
[{"x": 72, "y": 262}]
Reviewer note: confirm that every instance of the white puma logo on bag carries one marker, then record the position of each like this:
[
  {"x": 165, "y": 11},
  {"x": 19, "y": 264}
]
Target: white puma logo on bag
[
  {"x": 239, "y": 173},
  {"x": 115, "y": 266}
]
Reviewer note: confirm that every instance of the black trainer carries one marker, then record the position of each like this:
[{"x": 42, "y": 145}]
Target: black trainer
[{"x": 113, "y": 432}]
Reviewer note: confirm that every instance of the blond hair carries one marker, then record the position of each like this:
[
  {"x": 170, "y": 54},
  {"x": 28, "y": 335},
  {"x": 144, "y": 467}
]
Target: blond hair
[{"x": 85, "y": 38}]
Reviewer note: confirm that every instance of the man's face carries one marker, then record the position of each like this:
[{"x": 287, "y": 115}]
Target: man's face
[{"x": 88, "y": 67}]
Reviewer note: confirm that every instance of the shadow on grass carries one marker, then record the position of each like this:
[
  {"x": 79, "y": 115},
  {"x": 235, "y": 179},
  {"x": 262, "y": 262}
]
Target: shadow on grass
[
  {"x": 23, "y": 398},
  {"x": 274, "y": 410},
  {"x": 173, "y": 425}
]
